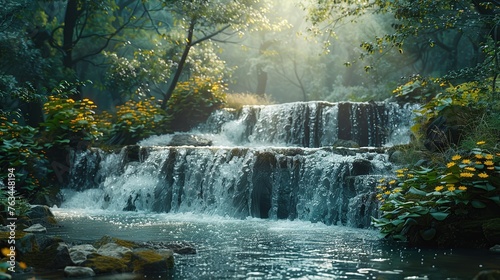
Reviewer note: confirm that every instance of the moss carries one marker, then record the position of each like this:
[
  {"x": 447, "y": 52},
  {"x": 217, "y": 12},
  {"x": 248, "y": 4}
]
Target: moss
[
  {"x": 103, "y": 264},
  {"x": 121, "y": 242},
  {"x": 148, "y": 260}
]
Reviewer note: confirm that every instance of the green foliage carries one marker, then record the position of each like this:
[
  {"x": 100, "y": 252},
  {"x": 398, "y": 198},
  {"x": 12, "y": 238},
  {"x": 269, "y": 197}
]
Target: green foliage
[
  {"x": 193, "y": 101},
  {"x": 421, "y": 197},
  {"x": 19, "y": 149},
  {"x": 69, "y": 122},
  {"x": 133, "y": 121}
]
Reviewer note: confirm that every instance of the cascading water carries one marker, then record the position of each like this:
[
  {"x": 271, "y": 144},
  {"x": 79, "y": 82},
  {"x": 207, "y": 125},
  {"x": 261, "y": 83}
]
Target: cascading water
[
  {"x": 267, "y": 162},
  {"x": 264, "y": 200}
]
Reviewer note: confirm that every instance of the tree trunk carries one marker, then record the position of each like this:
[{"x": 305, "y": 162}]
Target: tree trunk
[
  {"x": 182, "y": 62},
  {"x": 68, "y": 32}
]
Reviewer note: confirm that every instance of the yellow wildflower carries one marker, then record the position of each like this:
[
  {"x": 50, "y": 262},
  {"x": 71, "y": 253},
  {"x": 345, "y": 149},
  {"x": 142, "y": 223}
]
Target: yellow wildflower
[
  {"x": 466, "y": 174},
  {"x": 438, "y": 188},
  {"x": 396, "y": 190},
  {"x": 490, "y": 168},
  {"x": 470, "y": 168},
  {"x": 456, "y": 157},
  {"x": 450, "y": 164},
  {"x": 479, "y": 156},
  {"x": 466, "y": 161},
  {"x": 488, "y": 156},
  {"x": 462, "y": 188},
  {"x": 483, "y": 175},
  {"x": 410, "y": 175},
  {"x": 451, "y": 189},
  {"x": 481, "y": 143},
  {"x": 489, "y": 162},
  {"x": 387, "y": 192},
  {"x": 392, "y": 182}
]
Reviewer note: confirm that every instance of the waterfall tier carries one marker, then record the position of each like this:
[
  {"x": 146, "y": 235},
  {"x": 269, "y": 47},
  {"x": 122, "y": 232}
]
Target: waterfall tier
[
  {"x": 325, "y": 185},
  {"x": 314, "y": 124}
]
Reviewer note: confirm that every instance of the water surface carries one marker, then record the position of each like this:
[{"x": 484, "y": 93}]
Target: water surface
[{"x": 254, "y": 248}]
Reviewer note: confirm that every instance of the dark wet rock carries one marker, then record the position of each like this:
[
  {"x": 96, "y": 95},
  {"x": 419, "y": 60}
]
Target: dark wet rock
[
  {"x": 78, "y": 271},
  {"x": 41, "y": 251},
  {"x": 104, "y": 264},
  {"x": 345, "y": 143},
  {"x": 36, "y": 228},
  {"x": 361, "y": 167},
  {"x": 151, "y": 261},
  {"x": 41, "y": 214}
]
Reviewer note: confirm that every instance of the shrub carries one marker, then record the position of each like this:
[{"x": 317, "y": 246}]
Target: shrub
[
  {"x": 193, "y": 101},
  {"x": 133, "y": 121},
  {"x": 20, "y": 150},
  {"x": 69, "y": 122},
  {"x": 418, "y": 199}
]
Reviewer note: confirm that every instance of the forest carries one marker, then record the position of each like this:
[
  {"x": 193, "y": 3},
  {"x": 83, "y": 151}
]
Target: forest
[{"x": 108, "y": 73}]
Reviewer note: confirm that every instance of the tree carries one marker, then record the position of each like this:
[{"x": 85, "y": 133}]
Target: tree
[
  {"x": 203, "y": 20},
  {"x": 456, "y": 28}
]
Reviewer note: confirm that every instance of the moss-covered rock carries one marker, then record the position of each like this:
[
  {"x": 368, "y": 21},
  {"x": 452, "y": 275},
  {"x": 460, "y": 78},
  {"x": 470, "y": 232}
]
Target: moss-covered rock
[
  {"x": 104, "y": 264},
  {"x": 42, "y": 251},
  {"x": 150, "y": 261},
  {"x": 491, "y": 230}
]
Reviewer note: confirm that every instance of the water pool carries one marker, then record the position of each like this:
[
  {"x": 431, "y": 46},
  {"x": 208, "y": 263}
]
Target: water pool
[{"x": 273, "y": 249}]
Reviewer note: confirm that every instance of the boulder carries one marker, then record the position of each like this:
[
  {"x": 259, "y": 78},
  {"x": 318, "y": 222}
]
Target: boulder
[
  {"x": 41, "y": 251},
  {"x": 78, "y": 271},
  {"x": 41, "y": 214},
  {"x": 79, "y": 253},
  {"x": 113, "y": 250},
  {"x": 150, "y": 261},
  {"x": 495, "y": 248},
  {"x": 488, "y": 275},
  {"x": 104, "y": 264}
]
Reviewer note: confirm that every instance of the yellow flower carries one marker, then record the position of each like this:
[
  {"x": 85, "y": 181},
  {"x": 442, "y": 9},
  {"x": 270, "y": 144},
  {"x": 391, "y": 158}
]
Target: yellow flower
[
  {"x": 387, "y": 192},
  {"x": 490, "y": 168},
  {"x": 456, "y": 157},
  {"x": 450, "y": 164},
  {"x": 410, "y": 175},
  {"x": 451, "y": 188},
  {"x": 466, "y": 161},
  {"x": 438, "y": 188},
  {"x": 481, "y": 143},
  {"x": 466, "y": 174},
  {"x": 392, "y": 182},
  {"x": 462, "y": 188},
  {"x": 483, "y": 175},
  {"x": 488, "y": 162},
  {"x": 479, "y": 156},
  {"x": 470, "y": 168},
  {"x": 399, "y": 171},
  {"x": 488, "y": 156},
  {"x": 396, "y": 190}
]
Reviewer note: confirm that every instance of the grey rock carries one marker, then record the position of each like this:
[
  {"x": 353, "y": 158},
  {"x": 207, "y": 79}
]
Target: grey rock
[
  {"x": 79, "y": 253},
  {"x": 189, "y": 140},
  {"x": 36, "y": 228},
  {"x": 78, "y": 271},
  {"x": 113, "y": 250},
  {"x": 41, "y": 214}
]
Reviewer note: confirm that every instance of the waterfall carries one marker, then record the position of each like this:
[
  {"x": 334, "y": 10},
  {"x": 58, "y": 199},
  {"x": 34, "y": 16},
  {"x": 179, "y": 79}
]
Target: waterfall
[{"x": 277, "y": 162}]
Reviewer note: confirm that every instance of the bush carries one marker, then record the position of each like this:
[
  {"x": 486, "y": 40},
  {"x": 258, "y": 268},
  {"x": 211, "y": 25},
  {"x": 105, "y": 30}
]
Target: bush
[
  {"x": 69, "y": 122},
  {"x": 419, "y": 199},
  {"x": 193, "y": 101},
  {"x": 20, "y": 150},
  {"x": 133, "y": 121}
]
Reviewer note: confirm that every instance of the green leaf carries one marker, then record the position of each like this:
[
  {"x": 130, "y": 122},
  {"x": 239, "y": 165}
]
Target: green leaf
[
  {"x": 478, "y": 204},
  {"x": 486, "y": 187},
  {"x": 439, "y": 215},
  {"x": 417, "y": 191},
  {"x": 496, "y": 199}
]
